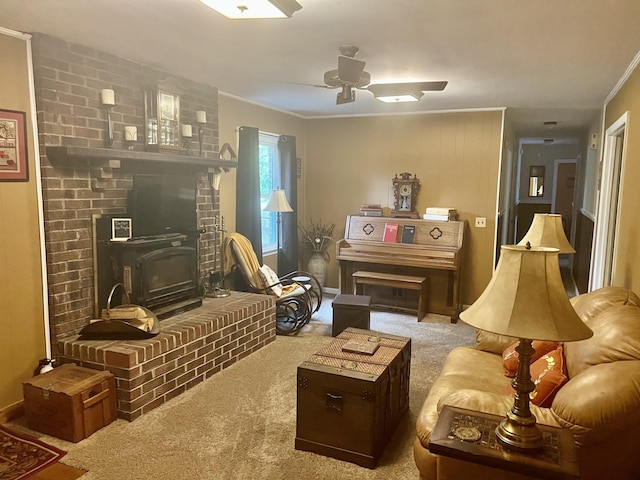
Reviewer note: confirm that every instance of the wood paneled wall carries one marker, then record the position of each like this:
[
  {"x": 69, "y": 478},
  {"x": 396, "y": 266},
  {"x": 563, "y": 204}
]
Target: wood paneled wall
[{"x": 456, "y": 156}]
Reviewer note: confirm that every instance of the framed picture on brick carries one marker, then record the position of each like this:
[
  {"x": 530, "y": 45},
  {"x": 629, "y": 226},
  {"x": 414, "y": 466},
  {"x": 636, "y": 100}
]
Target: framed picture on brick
[
  {"x": 13, "y": 147},
  {"x": 120, "y": 229}
]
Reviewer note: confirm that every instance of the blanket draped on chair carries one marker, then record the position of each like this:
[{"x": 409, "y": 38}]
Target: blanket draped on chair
[{"x": 248, "y": 253}]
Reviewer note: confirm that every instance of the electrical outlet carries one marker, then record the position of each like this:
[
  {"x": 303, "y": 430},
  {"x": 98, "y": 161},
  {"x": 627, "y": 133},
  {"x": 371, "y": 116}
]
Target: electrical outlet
[{"x": 481, "y": 222}]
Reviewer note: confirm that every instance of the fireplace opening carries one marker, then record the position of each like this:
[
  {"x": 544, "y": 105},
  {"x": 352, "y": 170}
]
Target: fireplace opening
[{"x": 159, "y": 264}]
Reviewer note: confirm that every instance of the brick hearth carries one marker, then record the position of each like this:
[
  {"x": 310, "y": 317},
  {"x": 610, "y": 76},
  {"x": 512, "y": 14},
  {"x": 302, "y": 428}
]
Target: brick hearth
[{"x": 190, "y": 348}]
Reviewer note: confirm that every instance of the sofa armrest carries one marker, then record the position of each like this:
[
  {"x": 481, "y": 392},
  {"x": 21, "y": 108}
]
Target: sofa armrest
[{"x": 600, "y": 402}]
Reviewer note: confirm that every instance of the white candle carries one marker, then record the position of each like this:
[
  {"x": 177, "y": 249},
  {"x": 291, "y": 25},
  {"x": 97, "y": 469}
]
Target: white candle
[
  {"x": 131, "y": 133},
  {"x": 108, "y": 97},
  {"x": 187, "y": 131},
  {"x": 201, "y": 116}
]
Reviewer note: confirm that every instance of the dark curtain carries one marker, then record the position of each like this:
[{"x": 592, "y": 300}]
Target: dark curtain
[
  {"x": 248, "y": 212},
  {"x": 288, "y": 256}
]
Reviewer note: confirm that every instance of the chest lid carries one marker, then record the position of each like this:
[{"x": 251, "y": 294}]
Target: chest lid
[{"x": 69, "y": 379}]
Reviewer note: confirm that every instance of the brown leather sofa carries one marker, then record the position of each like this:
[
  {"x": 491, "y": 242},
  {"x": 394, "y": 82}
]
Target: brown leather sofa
[{"x": 600, "y": 402}]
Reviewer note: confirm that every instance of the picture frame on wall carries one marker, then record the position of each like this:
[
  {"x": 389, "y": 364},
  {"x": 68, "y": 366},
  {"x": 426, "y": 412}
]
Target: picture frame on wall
[{"x": 13, "y": 146}]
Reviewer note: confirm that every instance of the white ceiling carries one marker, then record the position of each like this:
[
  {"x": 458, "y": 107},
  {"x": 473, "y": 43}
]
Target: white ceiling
[{"x": 545, "y": 59}]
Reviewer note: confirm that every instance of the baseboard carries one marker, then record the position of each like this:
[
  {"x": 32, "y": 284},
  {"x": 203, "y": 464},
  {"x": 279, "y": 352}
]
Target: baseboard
[
  {"x": 12, "y": 412},
  {"x": 331, "y": 291}
]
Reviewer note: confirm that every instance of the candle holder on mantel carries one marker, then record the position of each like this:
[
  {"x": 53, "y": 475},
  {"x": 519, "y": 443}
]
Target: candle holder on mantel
[
  {"x": 201, "y": 120},
  {"x": 187, "y": 134},
  {"x": 130, "y": 136},
  {"x": 108, "y": 99}
]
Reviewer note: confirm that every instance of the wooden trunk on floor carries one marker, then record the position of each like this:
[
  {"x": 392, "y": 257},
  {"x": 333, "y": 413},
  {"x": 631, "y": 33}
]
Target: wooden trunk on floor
[
  {"x": 70, "y": 402},
  {"x": 348, "y": 404}
]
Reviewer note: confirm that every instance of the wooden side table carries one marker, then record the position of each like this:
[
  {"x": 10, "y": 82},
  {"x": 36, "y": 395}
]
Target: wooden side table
[{"x": 557, "y": 460}]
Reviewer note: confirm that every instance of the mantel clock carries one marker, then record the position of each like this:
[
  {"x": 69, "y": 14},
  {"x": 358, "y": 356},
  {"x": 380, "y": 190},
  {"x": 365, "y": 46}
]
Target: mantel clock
[
  {"x": 162, "y": 117},
  {"x": 405, "y": 192}
]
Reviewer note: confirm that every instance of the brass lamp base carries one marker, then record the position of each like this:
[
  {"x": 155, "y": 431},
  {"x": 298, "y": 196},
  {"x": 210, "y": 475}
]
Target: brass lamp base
[
  {"x": 519, "y": 434},
  {"x": 518, "y": 431}
]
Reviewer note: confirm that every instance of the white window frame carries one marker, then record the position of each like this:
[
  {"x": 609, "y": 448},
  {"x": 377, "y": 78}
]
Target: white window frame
[{"x": 270, "y": 140}]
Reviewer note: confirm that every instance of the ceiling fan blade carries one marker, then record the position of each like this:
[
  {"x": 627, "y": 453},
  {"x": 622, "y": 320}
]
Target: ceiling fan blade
[
  {"x": 350, "y": 69},
  {"x": 395, "y": 88}
]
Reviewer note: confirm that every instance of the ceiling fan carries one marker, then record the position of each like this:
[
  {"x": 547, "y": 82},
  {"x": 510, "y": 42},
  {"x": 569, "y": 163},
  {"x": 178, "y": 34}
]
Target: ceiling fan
[{"x": 351, "y": 75}]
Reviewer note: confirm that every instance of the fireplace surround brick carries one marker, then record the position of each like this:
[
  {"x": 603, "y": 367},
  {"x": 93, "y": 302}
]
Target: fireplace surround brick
[
  {"x": 190, "y": 348},
  {"x": 68, "y": 79}
]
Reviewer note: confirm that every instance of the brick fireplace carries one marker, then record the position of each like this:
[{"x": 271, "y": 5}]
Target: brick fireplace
[
  {"x": 84, "y": 180},
  {"x": 78, "y": 186}
]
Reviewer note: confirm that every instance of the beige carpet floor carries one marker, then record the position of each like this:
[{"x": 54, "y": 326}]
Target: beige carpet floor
[{"x": 240, "y": 424}]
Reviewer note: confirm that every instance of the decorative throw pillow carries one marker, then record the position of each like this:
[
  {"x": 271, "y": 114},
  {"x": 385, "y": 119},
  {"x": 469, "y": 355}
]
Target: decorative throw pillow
[
  {"x": 270, "y": 278},
  {"x": 510, "y": 356},
  {"x": 548, "y": 373}
]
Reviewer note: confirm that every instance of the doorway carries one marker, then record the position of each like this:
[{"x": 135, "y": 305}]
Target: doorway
[
  {"x": 604, "y": 247},
  {"x": 564, "y": 179}
]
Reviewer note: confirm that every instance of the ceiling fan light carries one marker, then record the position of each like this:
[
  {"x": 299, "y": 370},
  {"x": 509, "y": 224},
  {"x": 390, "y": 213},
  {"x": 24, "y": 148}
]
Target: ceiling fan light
[
  {"x": 253, "y": 9},
  {"x": 401, "y": 97}
]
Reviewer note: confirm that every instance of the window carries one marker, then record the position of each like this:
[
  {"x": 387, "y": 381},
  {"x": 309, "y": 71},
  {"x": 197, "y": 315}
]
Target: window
[{"x": 269, "y": 180}]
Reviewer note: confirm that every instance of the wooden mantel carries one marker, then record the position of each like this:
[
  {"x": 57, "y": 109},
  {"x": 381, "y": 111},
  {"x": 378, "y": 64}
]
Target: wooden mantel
[{"x": 69, "y": 152}]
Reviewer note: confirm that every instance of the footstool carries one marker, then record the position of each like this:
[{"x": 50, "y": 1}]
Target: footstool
[{"x": 350, "y": 311}]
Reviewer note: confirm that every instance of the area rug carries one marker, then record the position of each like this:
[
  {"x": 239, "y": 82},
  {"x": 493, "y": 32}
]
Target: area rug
[{"x": 21, "y": 455}]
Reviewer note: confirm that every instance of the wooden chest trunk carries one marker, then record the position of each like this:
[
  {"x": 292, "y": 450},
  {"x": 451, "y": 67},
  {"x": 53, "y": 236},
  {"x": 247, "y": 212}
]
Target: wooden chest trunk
[
  {"x": 399, "y": 367},
  {"x": 70, "y": 402},
  {"x": 348, "y": 404}
]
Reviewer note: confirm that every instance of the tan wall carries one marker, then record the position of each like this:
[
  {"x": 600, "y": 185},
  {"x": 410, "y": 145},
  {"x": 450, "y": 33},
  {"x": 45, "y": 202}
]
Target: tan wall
[
  {"x": 22, "y": 342},
  {"x": 627, "y": 263},
  {"x": 351, "y": 161}
]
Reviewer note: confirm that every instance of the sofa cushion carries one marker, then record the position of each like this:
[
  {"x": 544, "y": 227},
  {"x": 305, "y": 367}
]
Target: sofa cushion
[
  {"x": 590, "y": 304},
  {"x": 548, "y": 373},
  {"x": 616, "y": 336},
  {"x": 493, "y": 342},
  {"x": 510, "y": 356},
  {"x": 464, "y": 368}
]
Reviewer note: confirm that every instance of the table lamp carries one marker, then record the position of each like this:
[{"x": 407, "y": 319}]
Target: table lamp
[
  {"x": 278, "y": 203},
  {"x": 546, "y": 230},
  {"x": 525, "y": 299}
]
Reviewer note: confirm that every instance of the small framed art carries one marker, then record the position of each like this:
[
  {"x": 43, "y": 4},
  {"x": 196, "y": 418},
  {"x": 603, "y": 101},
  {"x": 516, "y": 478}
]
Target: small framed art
[
  {"x": 13, "y": 147},
  {"x": 120, "y": 229}
]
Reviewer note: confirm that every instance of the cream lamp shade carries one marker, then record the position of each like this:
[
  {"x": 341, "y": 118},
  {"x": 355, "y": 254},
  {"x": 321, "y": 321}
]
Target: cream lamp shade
[
  {"x": 278, "y": 202},
  {"x": 546, "y": 230},
  {"x": 525, "y": 299}
]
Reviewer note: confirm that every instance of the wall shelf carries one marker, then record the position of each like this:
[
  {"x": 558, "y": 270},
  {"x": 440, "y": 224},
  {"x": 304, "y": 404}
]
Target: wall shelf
[{"x": 69, "y": 152}]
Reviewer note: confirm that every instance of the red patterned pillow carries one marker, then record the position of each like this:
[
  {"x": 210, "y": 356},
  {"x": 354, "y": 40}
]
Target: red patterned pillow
[
  {"x": 510, "y": 356},
  {"x": 548, "y": 373}
]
